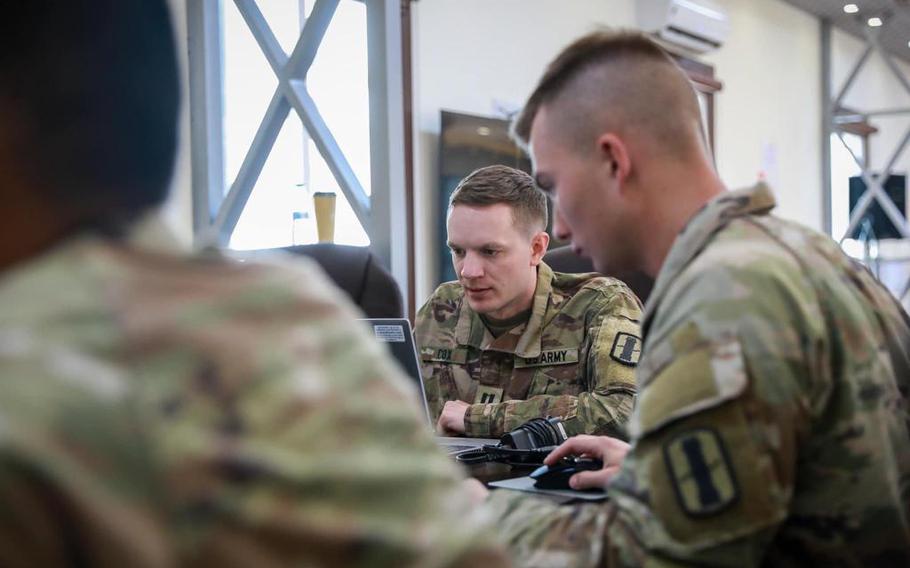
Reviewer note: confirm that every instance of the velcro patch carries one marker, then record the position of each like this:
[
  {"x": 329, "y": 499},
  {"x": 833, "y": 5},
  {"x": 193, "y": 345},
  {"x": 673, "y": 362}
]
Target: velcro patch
[
  {"x": 457, "y": 355},
  {"x": 700, "y": 471},
  {"x": 488, "y": 395},
  {"x": 549, "y": 358},
  {"x": 626, "y": 349}
]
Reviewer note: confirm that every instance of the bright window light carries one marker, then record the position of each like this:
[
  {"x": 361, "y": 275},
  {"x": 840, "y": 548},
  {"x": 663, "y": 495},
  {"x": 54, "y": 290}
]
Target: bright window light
[
  {"x": 851, "y": 8},
  {"x": 280, "y": 210},
  {"x": 874, "y": 22}
]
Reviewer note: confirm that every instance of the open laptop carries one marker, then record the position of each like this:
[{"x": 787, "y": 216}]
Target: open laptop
[{"x": 397, "y": 334}]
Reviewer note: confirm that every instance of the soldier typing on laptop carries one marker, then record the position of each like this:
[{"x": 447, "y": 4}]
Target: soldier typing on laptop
[{"x": 512, "y": 340}]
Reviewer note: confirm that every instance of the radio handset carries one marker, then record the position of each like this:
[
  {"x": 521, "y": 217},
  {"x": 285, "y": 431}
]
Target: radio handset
[{"x": 526, "y": 445}]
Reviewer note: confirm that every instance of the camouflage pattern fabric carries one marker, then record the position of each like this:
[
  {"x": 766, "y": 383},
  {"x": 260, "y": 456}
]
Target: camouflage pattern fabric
[
  {"x": 575, "y": 358},
  {"x": 771, "y": 426},
  {"x": 157, "y": 410}
]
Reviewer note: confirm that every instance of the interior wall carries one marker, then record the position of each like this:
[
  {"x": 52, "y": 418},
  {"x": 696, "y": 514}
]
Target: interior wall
[
  {"x": 768, "y": 119},
  {"x": 768, "y": 114},
  {"x": 474, "y": 56}
]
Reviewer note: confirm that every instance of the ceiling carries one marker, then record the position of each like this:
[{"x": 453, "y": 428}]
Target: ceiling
[{"x": 895, "y": 34}]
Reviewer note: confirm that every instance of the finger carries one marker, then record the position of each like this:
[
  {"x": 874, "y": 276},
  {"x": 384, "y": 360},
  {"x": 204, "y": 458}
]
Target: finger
[
  {"x": 592, "y": 479},
  {"x": 574, "y": 446}
]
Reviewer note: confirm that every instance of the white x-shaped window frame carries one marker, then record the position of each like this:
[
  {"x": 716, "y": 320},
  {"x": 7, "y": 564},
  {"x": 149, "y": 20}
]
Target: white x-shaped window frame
[{"x": 383, "y": 213}]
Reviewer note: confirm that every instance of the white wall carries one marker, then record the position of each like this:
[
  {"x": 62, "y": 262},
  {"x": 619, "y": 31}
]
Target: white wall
[
  {"x": 468, "y": 53},
  {"x": 768, "y": 114}
]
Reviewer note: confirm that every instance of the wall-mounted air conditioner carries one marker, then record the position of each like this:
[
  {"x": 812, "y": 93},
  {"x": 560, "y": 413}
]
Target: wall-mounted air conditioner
[{"x": 695, "y": 25}]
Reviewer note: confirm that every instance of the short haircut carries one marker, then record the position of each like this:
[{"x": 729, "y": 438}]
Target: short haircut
[
  {"x": 89, "y": 89},
  {"x": 502, "y": 184},
  {"x": 618, "y": 79}
]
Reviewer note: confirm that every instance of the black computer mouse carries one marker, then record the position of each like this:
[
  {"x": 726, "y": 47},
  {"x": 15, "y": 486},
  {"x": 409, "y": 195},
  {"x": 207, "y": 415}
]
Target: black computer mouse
[{"x": 557, "y": 476}]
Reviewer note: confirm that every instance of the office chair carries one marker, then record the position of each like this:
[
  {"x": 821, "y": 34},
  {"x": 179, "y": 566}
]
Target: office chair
[
  {"x": 357, "y": 271},
  {"x": 564, "y": 259}
]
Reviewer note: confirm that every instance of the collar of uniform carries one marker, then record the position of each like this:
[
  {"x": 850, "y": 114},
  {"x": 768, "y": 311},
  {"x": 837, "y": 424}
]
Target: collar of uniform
[
  {"x": 470, "y": 329},
  {"x": 151, "y": 233},
  {"x": 755, "y": 200}
]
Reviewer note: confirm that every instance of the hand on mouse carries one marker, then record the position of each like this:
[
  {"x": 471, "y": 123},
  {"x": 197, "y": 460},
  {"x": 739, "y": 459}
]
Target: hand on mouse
[{"x": 610, "y": 451}]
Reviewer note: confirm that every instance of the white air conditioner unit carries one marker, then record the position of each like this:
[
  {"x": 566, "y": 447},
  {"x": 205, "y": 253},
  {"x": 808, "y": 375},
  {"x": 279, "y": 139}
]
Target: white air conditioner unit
[{"x": 695, "y": 25}]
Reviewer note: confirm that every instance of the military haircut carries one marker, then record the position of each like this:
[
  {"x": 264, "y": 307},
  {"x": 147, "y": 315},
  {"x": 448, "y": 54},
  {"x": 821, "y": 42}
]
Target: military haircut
[
  {"x": 89, "y": 99},
  {"x": 621, "y": 81},
  {"x": 502, "y": 184}
]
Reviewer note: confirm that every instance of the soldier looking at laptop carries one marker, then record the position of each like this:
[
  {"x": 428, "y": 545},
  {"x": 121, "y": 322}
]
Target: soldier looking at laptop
[{"x": 512, "y": 340}]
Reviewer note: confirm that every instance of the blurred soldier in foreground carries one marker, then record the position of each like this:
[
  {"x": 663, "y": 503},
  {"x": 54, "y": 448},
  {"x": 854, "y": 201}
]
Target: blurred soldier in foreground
[
  {"x": 157, "y": 410},
  {"x": 771, "y": 426},
  {"x": 512, "y": 340}
]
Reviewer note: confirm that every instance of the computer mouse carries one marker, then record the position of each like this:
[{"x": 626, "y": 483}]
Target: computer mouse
[{"x": 557, "y": 476}]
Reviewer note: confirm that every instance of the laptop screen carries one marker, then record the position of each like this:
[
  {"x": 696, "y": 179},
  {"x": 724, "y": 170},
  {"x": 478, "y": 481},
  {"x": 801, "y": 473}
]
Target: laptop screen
[{"x": 397, "y": 335}]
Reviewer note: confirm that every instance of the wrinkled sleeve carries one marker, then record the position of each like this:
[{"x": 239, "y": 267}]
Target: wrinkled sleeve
[{"x": 612, "y": 348}]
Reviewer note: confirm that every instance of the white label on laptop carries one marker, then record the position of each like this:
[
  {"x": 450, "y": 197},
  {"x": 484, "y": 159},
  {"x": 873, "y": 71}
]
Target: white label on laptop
[{"x": 389, "y": 333}]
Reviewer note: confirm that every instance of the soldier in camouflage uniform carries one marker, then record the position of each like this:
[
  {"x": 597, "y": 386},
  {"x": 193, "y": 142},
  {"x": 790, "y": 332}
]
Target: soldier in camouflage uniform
[
  {"x": 160, "y": 410},
  {"x": 771, "y": 425},
  {"x": 512, "y": 340}
]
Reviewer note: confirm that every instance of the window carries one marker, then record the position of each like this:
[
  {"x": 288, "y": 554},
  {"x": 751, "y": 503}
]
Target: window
[
  {"x": 706, "y": 86},
  {"x": 279, "y": 211}
]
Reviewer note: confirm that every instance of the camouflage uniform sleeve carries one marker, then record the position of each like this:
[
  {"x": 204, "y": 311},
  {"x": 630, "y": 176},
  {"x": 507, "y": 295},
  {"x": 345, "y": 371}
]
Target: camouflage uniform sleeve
[
  {"x": 725, "y": 393},
  {"x": 303, "y": 445},
  {"x": 615, "y": 346},
  {"x": 612, "y": 349},
  {"x": 711, "y": 467},
  {"x": 541, "y": 533}
]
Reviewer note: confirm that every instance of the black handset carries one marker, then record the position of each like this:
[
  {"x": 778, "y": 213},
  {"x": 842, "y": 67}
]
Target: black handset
[{"x": 528, "y": 444}]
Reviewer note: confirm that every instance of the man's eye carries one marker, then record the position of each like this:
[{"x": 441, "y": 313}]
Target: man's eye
[
  {"x": 490, "y": 252},
  {"x": 544, "y": 185},
  {"x": 457, "y": 252}
]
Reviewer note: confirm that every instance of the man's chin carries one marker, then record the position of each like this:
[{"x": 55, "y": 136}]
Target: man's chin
[
  {"x": 603, "y": 266},
  {"x": 611, "y": 267},
  {"x": 480, "y": 306}
]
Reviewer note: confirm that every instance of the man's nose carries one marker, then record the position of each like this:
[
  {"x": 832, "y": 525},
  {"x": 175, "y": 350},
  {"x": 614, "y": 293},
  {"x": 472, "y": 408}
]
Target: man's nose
[
  {"x": 561, "y": 230},
  {"x": 471, "y": 267}
]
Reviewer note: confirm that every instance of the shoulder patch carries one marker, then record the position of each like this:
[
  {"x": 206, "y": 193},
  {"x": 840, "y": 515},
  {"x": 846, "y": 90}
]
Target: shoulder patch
[
  {"x": 626, "y": 349},
  {"x": 700, "y": 471}
]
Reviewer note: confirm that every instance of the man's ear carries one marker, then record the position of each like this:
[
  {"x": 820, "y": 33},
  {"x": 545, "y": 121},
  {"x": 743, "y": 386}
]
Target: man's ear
[
  {"x": 539, "y": 243},
  {"x": 615, "y": 155}
]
